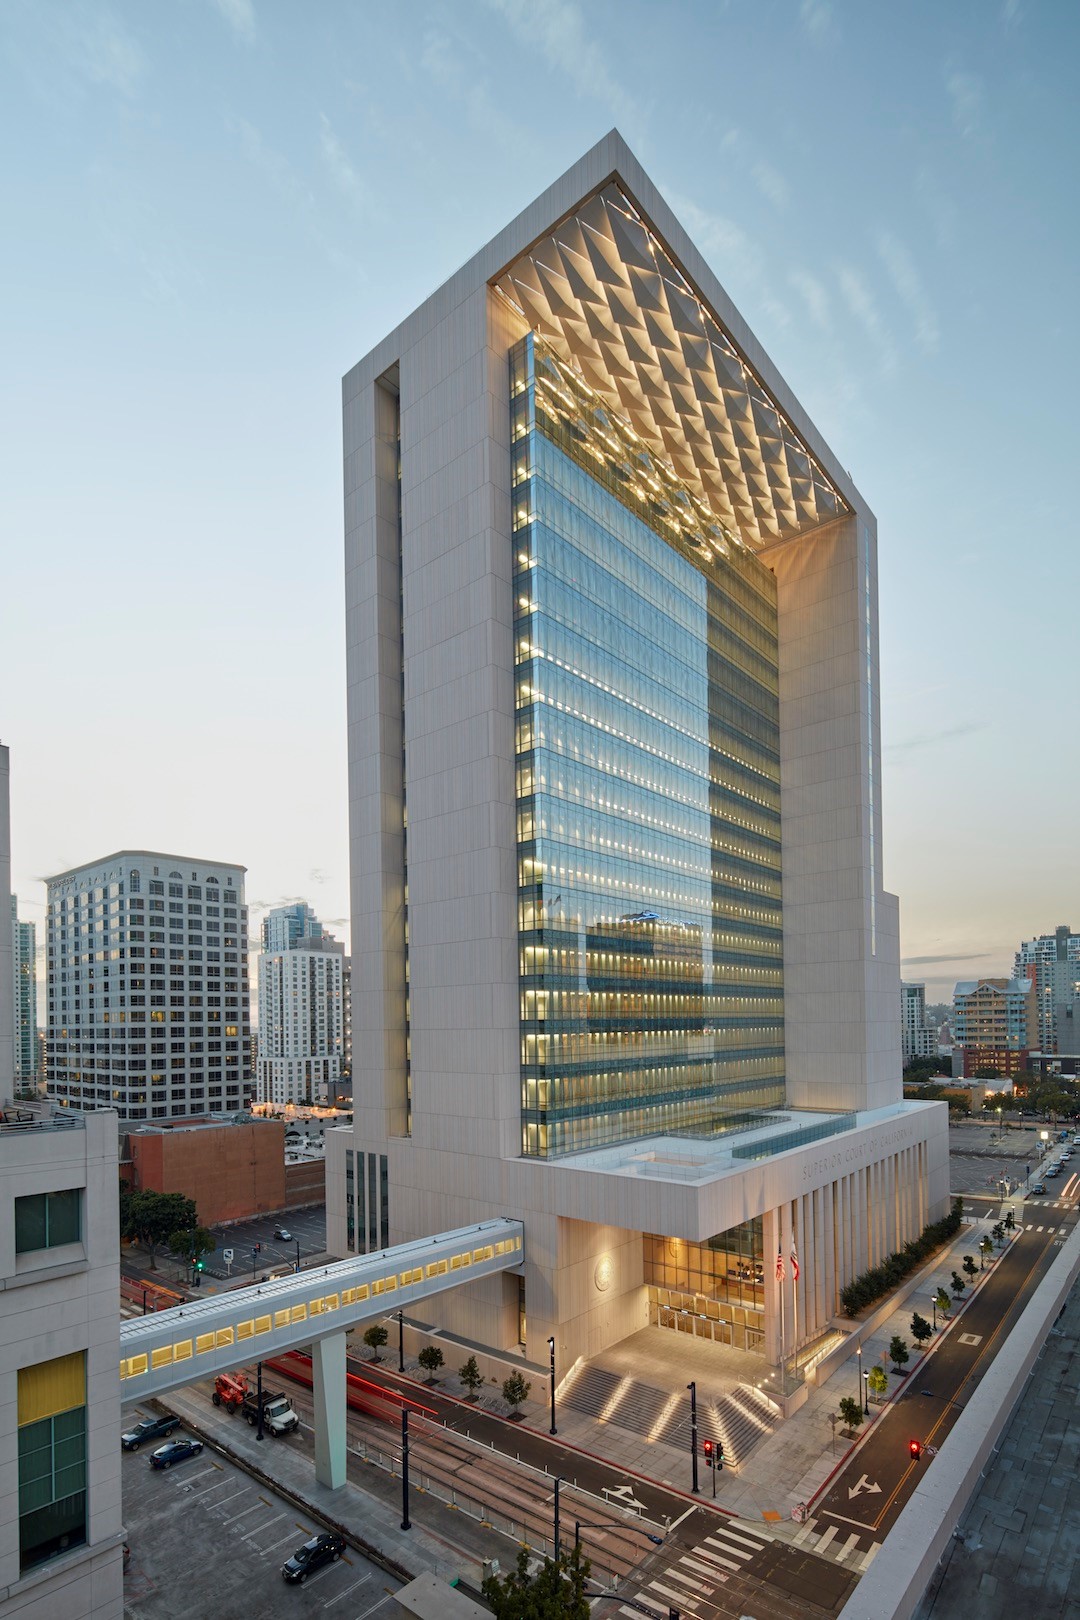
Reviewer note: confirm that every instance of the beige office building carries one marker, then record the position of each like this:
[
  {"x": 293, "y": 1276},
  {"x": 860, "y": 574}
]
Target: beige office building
[{"x": 623, "y": 962}]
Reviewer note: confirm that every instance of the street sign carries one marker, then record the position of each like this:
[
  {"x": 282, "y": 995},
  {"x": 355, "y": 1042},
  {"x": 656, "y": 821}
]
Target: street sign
[{"x": 227, "y": 1255}]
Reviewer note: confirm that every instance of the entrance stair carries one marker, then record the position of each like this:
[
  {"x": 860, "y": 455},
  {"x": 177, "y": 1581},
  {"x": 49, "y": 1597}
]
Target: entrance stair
[{"x": 738, "y": 1416}]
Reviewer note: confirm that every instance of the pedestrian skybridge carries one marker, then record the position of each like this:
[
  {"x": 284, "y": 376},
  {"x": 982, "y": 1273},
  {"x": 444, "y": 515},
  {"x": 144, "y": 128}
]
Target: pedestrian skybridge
[{"x": 200, "y": 1339}]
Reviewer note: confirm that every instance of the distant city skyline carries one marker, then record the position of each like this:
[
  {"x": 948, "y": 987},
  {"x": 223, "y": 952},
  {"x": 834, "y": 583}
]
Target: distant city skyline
[{"x": 219, "y": 206}]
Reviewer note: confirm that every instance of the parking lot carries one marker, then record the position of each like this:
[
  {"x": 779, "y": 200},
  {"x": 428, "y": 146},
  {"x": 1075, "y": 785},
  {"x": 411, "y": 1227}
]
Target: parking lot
[
  {"x": 208, "y": 1540},
  {"x": 306, "y": 1226}
]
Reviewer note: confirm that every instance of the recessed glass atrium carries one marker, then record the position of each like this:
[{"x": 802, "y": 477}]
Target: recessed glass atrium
[{"x": 648, "y": 786}]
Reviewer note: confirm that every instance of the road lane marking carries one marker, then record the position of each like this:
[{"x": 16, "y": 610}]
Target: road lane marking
[{"x": 848, "y": 1548}]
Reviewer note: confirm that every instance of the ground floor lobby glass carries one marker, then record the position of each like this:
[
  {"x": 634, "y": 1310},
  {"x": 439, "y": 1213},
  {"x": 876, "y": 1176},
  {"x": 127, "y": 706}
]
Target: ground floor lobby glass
[{"x": 713, "y": 1290}]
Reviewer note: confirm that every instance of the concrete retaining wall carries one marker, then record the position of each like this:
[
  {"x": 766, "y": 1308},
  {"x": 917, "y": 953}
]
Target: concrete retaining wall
[{"x": 898, "y": 1577}]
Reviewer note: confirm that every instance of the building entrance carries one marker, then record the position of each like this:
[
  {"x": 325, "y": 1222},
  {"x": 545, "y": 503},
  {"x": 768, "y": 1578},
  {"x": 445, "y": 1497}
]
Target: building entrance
[{"x": 713, "y": 1290}]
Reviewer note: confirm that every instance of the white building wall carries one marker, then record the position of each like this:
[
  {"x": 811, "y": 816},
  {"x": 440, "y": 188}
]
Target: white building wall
[
  {"x": 56, "y": 1302},
  {"x": 438, "y": 1089},
  {"x": 7, "y": 971},
  {"x": 301, "y": 1025}
]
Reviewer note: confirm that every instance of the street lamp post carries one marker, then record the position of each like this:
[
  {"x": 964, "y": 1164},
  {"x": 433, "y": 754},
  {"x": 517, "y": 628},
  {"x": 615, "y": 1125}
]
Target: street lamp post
[
  {"x": 558, "y": 1482},
  {"x": 933, "y": 1302},
  {"x": 866, "y": 1393},
  {"x": 298, "y": 1254},
  {"x": 858, "y": 1352},
  {"x": 551, "y": 1348},
  {"x": 692, "y": 1387},
  {"x": 400, "y": 1342}
]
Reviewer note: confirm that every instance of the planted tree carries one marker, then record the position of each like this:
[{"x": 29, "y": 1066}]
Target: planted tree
[
  {"x": 958, "y": 1284},
  {"x": 898, "y": 1353},
  {"x": 852, "y": 1413},
  {"x": 431, "y": 1359},
  {"x": 515, "y": 1392},
  {"x": 471, "y": 1377},
  {"x": 555, "y": 1592},
  {"x": 943, "y": 1302},
  {"x": 151, "y": 1218},
  {"x": 986, "y": 1246},
  {"x": 921, "y": 1329},
  {"x": 192, "y": 1245},
  {"x": 878, "y": 1381},
  {"x": 375, "y": 1337},
  {"x": 1010, "y": 1220},
  {"x": 969, "y": 1266},
  {"x": 998, "y": 1234}
]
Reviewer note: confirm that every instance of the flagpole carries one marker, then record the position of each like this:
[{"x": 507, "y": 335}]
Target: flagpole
[
  {"x": 780, "y": 1280},
  {"x": 795, "y": 1301}
]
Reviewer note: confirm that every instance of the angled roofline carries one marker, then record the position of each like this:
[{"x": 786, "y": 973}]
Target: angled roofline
[{"x": 610, "y": 160}]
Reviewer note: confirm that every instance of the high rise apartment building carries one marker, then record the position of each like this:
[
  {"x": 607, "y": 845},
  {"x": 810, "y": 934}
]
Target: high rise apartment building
[
  {"x": 7, "y": 954},
  {"x": 1052, "y": 962},
  {"x": 148, "y": 986},
  {"x": 286, "y": 926},
  {"x": 995, "y": 1022},
  {"x": 24, "y": 962},
  {"x": 625, "y": 965},
  {"x": 918, "y": 1036},
  {"x": 301, "y": 1037}
]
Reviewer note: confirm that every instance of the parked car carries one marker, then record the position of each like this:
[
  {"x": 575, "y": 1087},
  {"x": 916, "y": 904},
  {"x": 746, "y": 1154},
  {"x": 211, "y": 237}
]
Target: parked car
[
  {"x": 1039, "y": 1187},
  {"x": 154, "y": 1428},
  {"x": 320, "y": 1550},
  {"x": 283, "y": 1234},
  {"x": 175, "y": 1451}
]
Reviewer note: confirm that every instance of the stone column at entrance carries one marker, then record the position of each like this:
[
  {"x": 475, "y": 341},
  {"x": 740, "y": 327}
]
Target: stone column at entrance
[{"x": 328, "y": 1379}]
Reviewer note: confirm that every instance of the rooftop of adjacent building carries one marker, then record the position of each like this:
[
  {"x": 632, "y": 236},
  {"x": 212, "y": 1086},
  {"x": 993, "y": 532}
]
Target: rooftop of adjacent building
[
  {"x": 145, "y": 855},
  {"x": 705, "y": 1159}
]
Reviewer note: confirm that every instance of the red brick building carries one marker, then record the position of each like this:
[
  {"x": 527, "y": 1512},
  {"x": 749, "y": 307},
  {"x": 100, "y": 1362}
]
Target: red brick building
[{"x": 231, "y": 1171}]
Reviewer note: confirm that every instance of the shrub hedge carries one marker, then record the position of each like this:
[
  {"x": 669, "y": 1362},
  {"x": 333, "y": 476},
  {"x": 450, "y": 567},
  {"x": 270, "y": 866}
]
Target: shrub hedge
[{"x": 874, "y": 1284}]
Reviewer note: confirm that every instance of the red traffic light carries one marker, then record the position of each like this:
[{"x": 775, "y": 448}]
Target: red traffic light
[
  {"x": 915, "y": 1449},
  {"x": 708, "y": 1453}
]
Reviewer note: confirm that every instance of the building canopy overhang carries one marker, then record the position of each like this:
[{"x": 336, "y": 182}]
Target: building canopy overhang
[{"x": 607, "y": 294}]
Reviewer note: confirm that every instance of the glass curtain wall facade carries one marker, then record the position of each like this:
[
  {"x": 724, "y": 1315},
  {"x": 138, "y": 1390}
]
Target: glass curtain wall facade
[{"x": 648, "y": 791}]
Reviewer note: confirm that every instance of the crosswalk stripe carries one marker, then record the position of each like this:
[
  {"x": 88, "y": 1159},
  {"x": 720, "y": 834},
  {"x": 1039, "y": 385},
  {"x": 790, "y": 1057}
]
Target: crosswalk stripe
[
  {"x": 826, "y": 1538},
  {"x": 800, "y": 1535},
  {"x": 849, "y": 1547},
  {"x": 650, "y": 1603},
  {"x": 728, "y": 1547},
  {"x": 753, "y": 1530},
  {"x": 871, "y": 1555},
  {"x": 714, "y": 1559},
  {"x": 720, "y": 1559},
  {"x": 675, "y": 1573},
  {"x": 670, "y": 1592},
  {"x": 747, "y": 1541}
]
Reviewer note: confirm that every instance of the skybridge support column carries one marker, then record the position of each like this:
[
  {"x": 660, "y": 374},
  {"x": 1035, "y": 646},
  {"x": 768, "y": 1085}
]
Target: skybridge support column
[{"x": 328, "y": 1374}]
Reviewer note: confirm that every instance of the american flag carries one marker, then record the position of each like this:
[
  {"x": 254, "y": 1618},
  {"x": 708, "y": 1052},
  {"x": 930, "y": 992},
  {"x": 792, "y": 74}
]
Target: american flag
[
  {"x": 779, "y": 1266},
  {"x": 794, "y": 1263}
]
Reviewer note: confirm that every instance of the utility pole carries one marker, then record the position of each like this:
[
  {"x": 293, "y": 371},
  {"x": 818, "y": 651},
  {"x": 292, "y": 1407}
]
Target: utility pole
[
  {"x": 558, "y": 1482},
  {"x": 551, "y": 1347},
  {"x": 400, "y": 1341},
  {"x": 259, "y": 1417}
]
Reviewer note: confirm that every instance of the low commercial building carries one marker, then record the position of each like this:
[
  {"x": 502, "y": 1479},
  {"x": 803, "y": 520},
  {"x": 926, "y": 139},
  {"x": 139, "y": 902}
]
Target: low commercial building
[{"x": 231, "y": 1171}]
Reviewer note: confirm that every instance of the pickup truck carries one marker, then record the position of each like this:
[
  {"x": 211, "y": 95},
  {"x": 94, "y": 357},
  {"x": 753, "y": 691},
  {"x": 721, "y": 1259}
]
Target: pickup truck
[{"x": 278, "y": 1415}]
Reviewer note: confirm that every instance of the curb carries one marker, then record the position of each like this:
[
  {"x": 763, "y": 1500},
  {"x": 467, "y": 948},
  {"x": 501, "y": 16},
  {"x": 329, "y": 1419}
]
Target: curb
[{"x": 593, "y": 1456}]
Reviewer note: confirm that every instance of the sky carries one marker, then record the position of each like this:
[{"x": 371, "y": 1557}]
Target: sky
[{"x": 213, "y": 208}]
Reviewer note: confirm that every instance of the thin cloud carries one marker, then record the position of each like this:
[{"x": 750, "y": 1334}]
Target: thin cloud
[
  {"x": 861, "y": 304},
  {"x": 102, "y": 50},
  {"x": 905, "y": 278},
  {"x": 816, "y": 17},
  {"x": 335, "y": 157},
  {"x": 911, "y": 745},
  {"x": 814, "y": 296},
  {"x": 966, "y": 98},
  {"x": 733, "y": 255},
  {"x": 957, "y": 956},
  {"x": 556, "y": 28},
  {"x": 240, "y": 16}
]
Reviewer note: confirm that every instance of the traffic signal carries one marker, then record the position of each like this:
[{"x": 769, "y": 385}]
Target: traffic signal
[
  {"x": 915, "y": 1449},
  {"x": 719, "y": 1454},
  {"x": 200, "y": 1265},
  {"x": 708, "y": 1453}
]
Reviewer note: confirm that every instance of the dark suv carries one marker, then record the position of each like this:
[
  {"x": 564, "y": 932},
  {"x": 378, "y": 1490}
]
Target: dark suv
[
  {"x": 320, "y": 1550},
  {"x": 155, "y": 1428}
]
